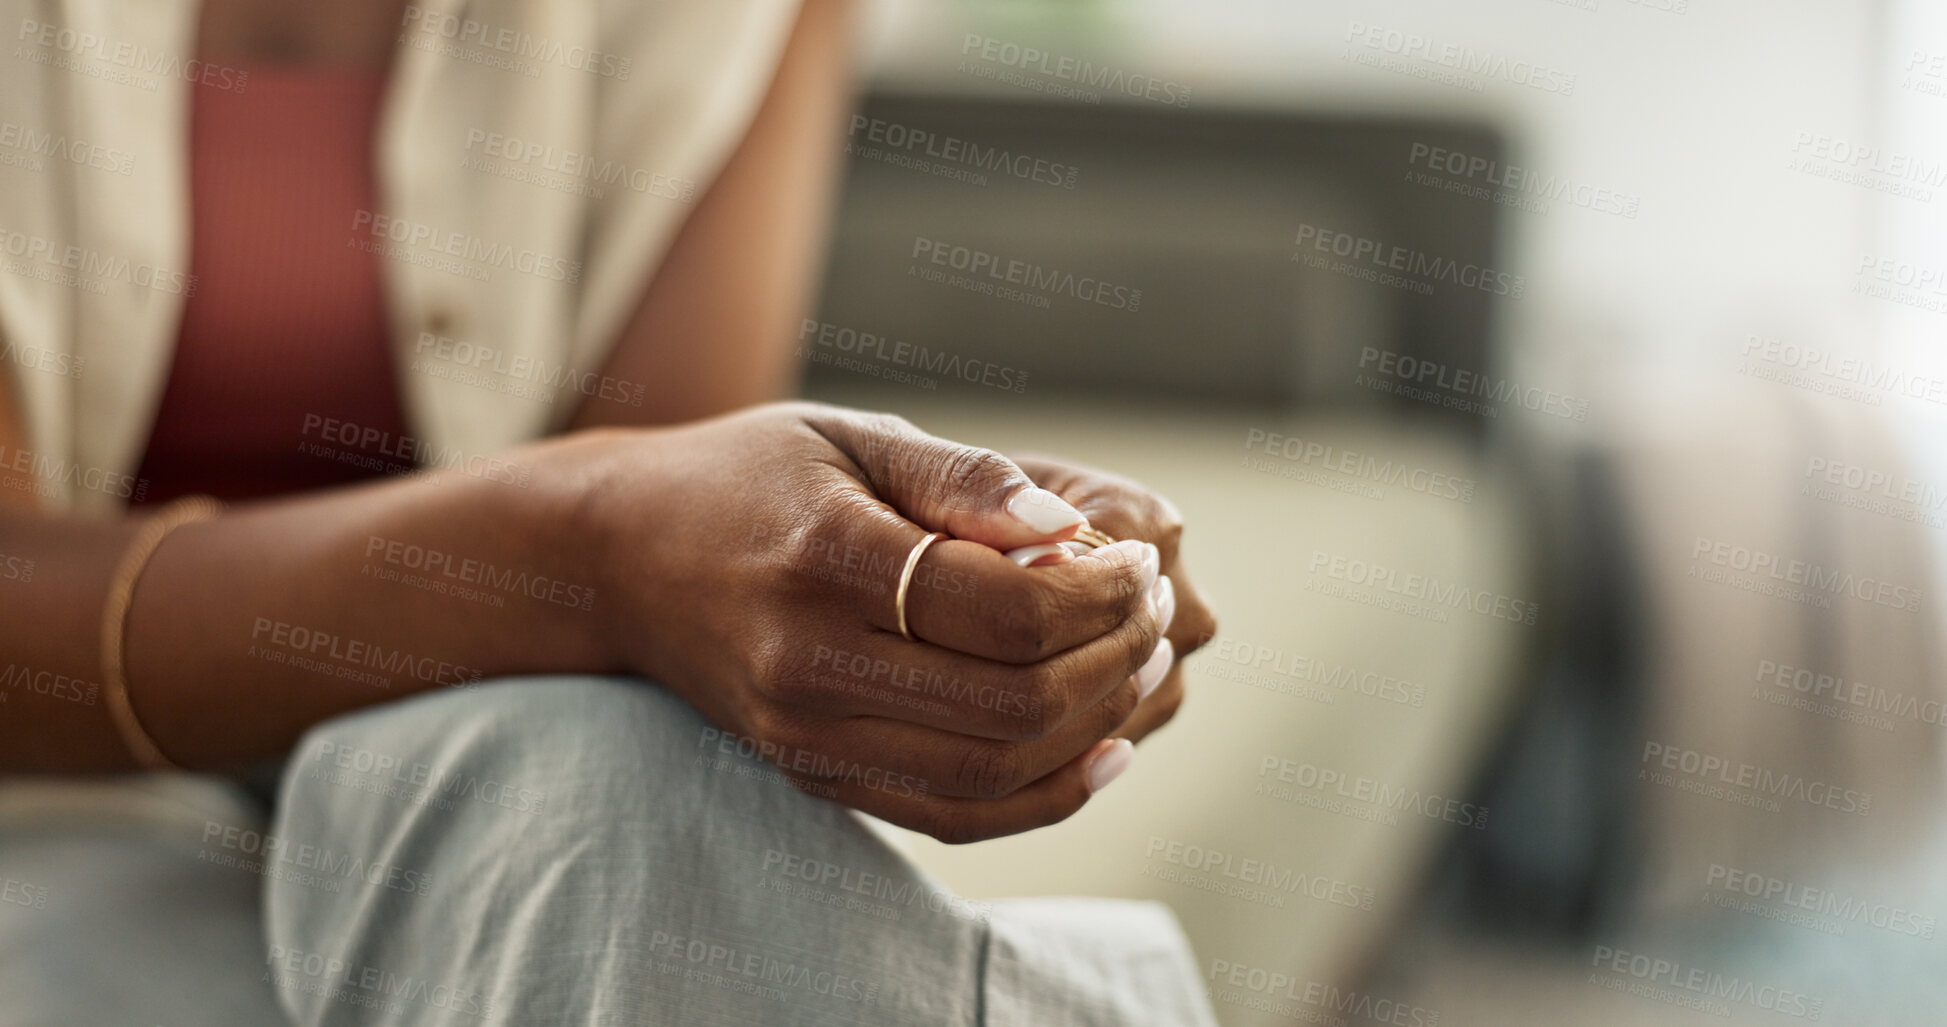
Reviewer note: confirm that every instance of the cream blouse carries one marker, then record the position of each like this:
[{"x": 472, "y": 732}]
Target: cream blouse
[{"x": 535, "y": 162}]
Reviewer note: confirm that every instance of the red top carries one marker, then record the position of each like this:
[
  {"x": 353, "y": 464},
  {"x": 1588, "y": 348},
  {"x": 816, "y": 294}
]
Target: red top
[{"x": 287, "y": 321}]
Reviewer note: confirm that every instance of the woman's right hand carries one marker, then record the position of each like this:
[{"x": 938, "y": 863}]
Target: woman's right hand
[{"x": 750, "y": 563}]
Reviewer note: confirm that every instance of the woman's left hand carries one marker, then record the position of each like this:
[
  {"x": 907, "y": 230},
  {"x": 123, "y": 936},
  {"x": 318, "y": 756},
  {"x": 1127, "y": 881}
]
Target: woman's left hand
[{"x": 1127, "y": 510}]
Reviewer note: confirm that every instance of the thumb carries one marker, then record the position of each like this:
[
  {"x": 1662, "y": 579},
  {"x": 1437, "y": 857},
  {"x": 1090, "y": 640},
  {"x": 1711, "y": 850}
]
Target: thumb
[{"x": 966, "y": 491}]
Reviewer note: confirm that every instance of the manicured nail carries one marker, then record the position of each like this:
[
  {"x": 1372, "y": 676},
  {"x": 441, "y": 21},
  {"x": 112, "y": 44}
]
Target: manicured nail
[
  {"x": 1040, "y": 556},
  {"x": 1163, "y": 596},
  {"x": 1110, "y": 765},
  {"x": 1042, "y": 511},
  {"x": 1152, "y": 673},
  {"x": 1152, "y": 564}
]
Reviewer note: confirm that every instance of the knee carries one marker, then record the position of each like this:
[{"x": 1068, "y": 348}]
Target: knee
[
  {"x": 520, "y": 762},
  {"x": 642, "y": 828},
  {"x": 509, "y": 720},
  {"x": 541, "y": 746},
  {"x": 583, "y": 797}
]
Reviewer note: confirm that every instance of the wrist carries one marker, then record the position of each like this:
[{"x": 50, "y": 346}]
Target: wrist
[
  {"x": 573, "y": 526},
  {"x": 521, "y": 532}
]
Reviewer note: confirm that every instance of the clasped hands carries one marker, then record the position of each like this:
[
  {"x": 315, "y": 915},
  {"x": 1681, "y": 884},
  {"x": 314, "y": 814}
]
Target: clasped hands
[{"x": 758, "y": 558}]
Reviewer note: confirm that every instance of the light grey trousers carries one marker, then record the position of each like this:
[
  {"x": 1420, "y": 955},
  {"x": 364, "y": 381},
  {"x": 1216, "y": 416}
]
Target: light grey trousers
[{"x": 590, "y": 851}]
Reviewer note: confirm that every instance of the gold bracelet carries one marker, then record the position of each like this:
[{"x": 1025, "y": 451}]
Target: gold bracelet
[{"x": 114, "y": 623}]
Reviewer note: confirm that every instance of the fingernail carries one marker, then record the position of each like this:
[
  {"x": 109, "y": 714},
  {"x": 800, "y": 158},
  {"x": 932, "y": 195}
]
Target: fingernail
[
  {"x": 1027, "y": 555},
  {"x": 1164, "y": 597},
  {"x": 1152, "y": 564},
  {"x": 1042, "y": 511},
  {"x": 1152, "y": 673},
  {"x": 1110, "y": 765}
]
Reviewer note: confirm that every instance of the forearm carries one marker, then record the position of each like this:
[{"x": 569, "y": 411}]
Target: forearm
[
  {"x": 246, "y": 630},
  {"x": 716, "y": 328}
]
